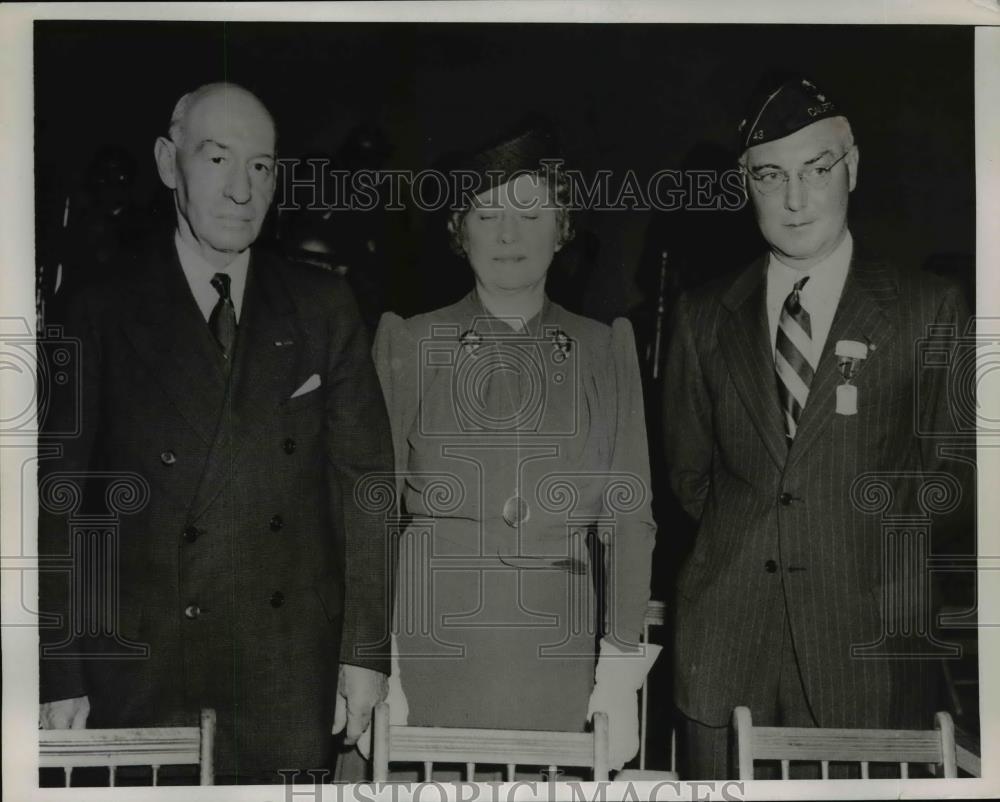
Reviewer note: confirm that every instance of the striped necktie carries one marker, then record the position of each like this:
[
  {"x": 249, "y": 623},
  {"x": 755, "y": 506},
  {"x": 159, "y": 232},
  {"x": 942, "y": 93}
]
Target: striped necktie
[
  {"x": 222, "y": 321},
  {"x": 791, "y": 363}
]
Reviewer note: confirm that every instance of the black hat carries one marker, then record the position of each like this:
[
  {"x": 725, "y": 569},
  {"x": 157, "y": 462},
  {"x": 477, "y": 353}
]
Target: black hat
[
  {"x": 531, "y": 147},
  {"x": 781, "y": 107}
]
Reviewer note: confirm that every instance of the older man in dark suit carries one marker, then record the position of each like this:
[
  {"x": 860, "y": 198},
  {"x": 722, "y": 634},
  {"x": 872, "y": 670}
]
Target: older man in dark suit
[
  {"x": 785, "y": 386},
  {"x": 235, "y": 395}
]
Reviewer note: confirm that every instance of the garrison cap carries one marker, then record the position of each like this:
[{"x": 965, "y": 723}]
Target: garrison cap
[{"x": 781, "y": 107}]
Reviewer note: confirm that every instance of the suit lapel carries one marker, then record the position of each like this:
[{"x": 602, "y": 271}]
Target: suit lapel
[
  {"x": 272, "y": 348},
  {"x": 169, "y": 334},
  {"x": 861, "y": 315},
  {"x": 744, "y": 340},
  {"x": 269, "y": 349}
]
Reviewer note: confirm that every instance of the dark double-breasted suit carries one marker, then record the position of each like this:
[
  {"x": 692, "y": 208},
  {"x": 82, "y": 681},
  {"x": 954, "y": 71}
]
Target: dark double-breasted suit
[
  {"x": 250, "y": 571},
  {"x": 799, "y": 528}
]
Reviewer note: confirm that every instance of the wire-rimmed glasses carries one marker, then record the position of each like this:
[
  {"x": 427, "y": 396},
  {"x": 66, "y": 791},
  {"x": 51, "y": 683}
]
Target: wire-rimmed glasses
[{"x": 814, "y": 176}]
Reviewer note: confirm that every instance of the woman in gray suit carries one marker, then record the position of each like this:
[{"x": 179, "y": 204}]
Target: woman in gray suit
[{"x": 517, "y": 426}]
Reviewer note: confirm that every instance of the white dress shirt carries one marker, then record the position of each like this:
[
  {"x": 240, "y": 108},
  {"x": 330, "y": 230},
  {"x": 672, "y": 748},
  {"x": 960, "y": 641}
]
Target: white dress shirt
[
  {"x": 819, "y": 297},
  {"x": 199, "y": 275}
]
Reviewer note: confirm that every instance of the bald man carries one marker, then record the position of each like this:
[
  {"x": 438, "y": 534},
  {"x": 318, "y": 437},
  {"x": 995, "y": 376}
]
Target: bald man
[{"x": 235, "y": 394}]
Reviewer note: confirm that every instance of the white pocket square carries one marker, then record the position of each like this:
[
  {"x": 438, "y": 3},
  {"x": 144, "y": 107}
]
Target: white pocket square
[{"x": 308, "y": 386}]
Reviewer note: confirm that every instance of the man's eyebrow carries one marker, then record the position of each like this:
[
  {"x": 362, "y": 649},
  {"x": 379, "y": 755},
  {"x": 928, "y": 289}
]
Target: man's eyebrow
[
  {"x": 813, "y": 160},
  {"x": 205, "y": 142},
  {"x": 201, "y": 145},
  {"x": 819, "y": 156}
]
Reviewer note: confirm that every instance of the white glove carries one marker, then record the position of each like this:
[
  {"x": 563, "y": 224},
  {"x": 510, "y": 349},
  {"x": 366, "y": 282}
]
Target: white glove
[
  {"x": 617, "y": 680},
  {"x": 399, "y": 710},
  {"x": 64, "y": 714}
]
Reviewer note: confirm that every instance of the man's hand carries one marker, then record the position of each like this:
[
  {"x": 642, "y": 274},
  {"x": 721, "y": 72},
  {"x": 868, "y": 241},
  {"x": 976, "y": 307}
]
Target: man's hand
[
  {"x": 64, "y": 714},
  {"x": 358, "y": 691},
  {"x": 399, "y": 708}
]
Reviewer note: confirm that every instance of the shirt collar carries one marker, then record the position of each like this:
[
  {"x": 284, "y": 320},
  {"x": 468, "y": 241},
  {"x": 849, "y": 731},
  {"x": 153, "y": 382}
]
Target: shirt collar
[{"x": 199, "y": 272}]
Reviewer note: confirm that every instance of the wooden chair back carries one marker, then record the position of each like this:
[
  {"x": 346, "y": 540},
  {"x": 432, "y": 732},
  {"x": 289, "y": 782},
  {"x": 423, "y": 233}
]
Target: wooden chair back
[
  {"x": 138, "y": 746},
  {"x": 471, "y": 747},
  {"x": 826, "y": 745}
]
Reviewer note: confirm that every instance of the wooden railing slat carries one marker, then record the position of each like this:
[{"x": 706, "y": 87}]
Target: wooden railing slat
[
  {"x": 130, "y": 746},
  {"x": 876, "y": 746},
  {"x": 417, "y": 744}
]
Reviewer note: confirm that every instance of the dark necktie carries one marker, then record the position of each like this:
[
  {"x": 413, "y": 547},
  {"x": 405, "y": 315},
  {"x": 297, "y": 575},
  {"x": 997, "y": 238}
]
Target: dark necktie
[
  {"x": 222, "y": 321},
  {"x": 792, "y": 350}
]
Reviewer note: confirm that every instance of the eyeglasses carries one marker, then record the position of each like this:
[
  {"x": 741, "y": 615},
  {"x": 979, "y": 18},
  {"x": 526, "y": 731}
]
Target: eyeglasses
[{"x": 815, "y": 176}]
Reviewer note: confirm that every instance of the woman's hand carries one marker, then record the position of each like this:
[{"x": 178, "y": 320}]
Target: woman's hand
[{"x": 618, "y": 678}]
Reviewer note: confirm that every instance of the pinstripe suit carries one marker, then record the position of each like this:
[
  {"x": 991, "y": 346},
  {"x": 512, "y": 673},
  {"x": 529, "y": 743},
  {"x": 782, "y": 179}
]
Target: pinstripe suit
[{"x": 778, "y": 534}]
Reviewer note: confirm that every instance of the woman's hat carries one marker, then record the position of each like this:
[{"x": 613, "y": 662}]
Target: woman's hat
[{"x": 529, "y": 148}]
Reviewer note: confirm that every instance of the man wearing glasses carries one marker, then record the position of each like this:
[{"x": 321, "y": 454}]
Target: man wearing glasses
[{"x": 785, "y": 387}]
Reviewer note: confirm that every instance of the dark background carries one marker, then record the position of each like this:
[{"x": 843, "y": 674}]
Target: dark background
[
  {"x": 640, "y": 97},
  {"x": 622, "y": 97}
]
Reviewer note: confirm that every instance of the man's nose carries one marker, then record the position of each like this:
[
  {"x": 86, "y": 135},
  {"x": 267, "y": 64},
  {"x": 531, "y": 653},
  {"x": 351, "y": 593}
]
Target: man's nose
[
  {"x": 238, "y": 187},
  {"x": 795, "y": 193}
]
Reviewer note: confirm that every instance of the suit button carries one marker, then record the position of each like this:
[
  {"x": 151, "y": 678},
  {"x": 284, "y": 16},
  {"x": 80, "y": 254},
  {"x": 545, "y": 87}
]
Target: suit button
[
  {"x": 192, "y": 611},
  {"x": 770, "y": 566},
  {"x": 191, "y": 534},
  {"x": 276, "y": 523},
  {"x": 168, "y": 457},
  {"x": 289, "y": 446},
  {"x": 277, "y": 599},
  {"x": 785, "y": 499}
]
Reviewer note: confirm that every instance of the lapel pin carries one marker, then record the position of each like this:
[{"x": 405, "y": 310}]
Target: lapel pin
[
  {"x": 561, "y": 345},
  {"x": 470, "y": 341}
]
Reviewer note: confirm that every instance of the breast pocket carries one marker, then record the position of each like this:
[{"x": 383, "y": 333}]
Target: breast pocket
[{"x": 304, "y": 414}]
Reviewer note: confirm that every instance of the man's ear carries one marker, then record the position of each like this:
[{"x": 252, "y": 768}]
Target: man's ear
[
  {"x": 852, "y": 160},
  {"x": 165, "y": 152}
]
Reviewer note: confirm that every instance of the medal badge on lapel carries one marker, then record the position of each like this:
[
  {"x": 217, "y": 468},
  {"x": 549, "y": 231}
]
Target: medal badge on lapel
[{"x": 849, "y": 354}]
